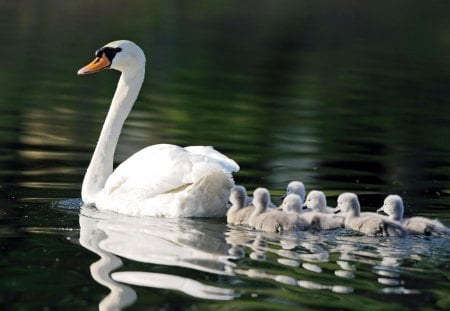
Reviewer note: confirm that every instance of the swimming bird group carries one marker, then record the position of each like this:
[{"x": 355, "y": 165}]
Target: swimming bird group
[
  {"x": 295, "y": 214},
  {"x": 171, "y": 181}
]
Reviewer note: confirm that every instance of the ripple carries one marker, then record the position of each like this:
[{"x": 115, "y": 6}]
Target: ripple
[
  {"x": 178, "y": 283},
  {"x": 288, "y": 262},
  {"x": 312, "y": 267},
  {"x": 344, "y": 274}
]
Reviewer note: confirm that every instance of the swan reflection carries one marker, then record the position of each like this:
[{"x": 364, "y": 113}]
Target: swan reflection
[
  {"x": 171, "y": 242},
  {"x": 332, "y": 261}
]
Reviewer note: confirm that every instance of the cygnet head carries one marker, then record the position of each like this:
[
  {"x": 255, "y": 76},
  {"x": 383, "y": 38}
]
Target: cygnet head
[
  {"x": 261, "y": 199},
  {"x": 238, "y": 196},
  {"x": 121, "y": 55},
  {"x": 296, "y": 187},
  {"x": 348, "y": 203},
  {"x": 393, "y": 206},
  {"x": 316, "y": 201},
  {"x": 292, "y": 203}
]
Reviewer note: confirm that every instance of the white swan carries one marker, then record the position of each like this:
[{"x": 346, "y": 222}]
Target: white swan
[
  {"x": 317, "y": 202},
  {"x": 160, "y": 180},
  {"x": 369, "y": 224},
  {"x": 316, "y": 219},
  {"x": 295, "y": 187},
  {"x": 273, "y": 220},
  {"x": 393, "y": 207}
]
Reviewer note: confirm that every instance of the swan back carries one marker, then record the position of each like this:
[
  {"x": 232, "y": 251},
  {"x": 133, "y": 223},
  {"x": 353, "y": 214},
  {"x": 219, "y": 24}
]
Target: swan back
[
  {"x": 425, "y": 226},
  {"x": 322, "y": 221}
]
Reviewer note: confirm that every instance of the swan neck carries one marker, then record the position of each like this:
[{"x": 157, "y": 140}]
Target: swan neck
[{"x": 101, "y": 165}]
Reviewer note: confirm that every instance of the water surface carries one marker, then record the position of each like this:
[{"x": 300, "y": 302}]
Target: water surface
[{"x": 343, "y": 96}]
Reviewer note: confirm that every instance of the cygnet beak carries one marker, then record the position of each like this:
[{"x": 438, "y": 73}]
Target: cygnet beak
[{"x": 381, "y": 211}]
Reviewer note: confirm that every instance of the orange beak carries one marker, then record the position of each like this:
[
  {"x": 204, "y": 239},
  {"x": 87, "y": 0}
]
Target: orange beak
[{"x": 99, "y": 63}]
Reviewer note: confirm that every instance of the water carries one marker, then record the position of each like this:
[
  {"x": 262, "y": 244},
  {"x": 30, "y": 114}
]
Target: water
[{"x": 343, "y": 96}]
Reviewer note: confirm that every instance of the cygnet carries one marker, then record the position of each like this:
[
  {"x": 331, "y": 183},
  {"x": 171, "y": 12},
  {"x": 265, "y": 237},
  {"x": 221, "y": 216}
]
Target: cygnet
[
  {"x": 273, "y": 220},
  {"x": 393, "y": 207},
  {"x": 317, "y": 202},
  {"x": 317, "y": 220},
  {"x": 369, "y": 224},
  {"x": 237, "y": 211},
  {"x": 295, "y": 187}
]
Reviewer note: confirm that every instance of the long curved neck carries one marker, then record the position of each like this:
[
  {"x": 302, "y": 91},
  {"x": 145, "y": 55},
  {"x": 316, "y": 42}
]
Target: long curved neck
[{"x": 101, "y": 165}]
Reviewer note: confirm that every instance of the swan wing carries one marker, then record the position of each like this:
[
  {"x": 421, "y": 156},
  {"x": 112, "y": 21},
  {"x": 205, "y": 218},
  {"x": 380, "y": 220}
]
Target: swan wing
[{"x": 163, "y": 168}]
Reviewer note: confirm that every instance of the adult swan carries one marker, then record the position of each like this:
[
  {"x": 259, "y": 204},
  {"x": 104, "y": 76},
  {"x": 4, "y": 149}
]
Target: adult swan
[{"x": 160, "y": 180}]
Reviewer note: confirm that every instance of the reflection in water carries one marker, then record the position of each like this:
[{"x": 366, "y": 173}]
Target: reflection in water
[
  {"x": 334, "y": 262},
  {"x": 181, "y": 243},
  {"x": 310, "y": 253}
]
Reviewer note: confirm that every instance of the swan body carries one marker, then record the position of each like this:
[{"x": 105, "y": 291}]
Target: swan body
[
  {"x": 394, "y": 208},
  {"x": 273, "y": 220},
  {"x": 368, "y": 224},
  {"x": 317, "y": 220},
  {"x": 160, "y": 180}
]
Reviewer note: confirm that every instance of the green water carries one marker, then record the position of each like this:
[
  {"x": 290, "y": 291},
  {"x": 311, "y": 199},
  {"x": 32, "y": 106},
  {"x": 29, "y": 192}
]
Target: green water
[{"x": 345, "y": 96}]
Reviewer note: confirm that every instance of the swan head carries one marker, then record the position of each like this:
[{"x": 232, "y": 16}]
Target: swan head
[
  {"x": 238, "y": 196},
  {"x": 296, "y": 187},
  {"x": 348, "y": 203},
  {"x": 316, "y": 200},
  {"x": 292, "y": 203},
  {"x": 393, "y": 206},
  {"x": 121, "y": 55},
  {"x": 261, "y": 199}
]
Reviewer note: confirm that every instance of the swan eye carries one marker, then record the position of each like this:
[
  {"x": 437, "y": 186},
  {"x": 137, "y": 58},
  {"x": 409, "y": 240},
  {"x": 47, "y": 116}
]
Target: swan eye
[{"x": 109, "y": 52}]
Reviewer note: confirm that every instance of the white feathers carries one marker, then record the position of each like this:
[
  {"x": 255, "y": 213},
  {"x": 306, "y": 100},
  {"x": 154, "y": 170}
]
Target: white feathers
[{"x": 160, "y": 180}]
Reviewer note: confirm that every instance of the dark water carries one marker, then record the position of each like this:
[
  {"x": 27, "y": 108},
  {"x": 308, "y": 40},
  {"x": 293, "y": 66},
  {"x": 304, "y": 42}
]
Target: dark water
[{"x": 345, "y": 96}]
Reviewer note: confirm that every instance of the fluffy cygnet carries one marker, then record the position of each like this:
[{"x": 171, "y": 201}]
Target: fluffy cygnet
[
  {"x": 317, "y": 220},
  {"x": 296, "y": 187},
  {"x": 273, "y": 220},
  {"x": 317, "y": 202},
  {"x": 393, "y": 207},
  {"x": 237, "y": 211},
  {"x": 369, "y": 224}
]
